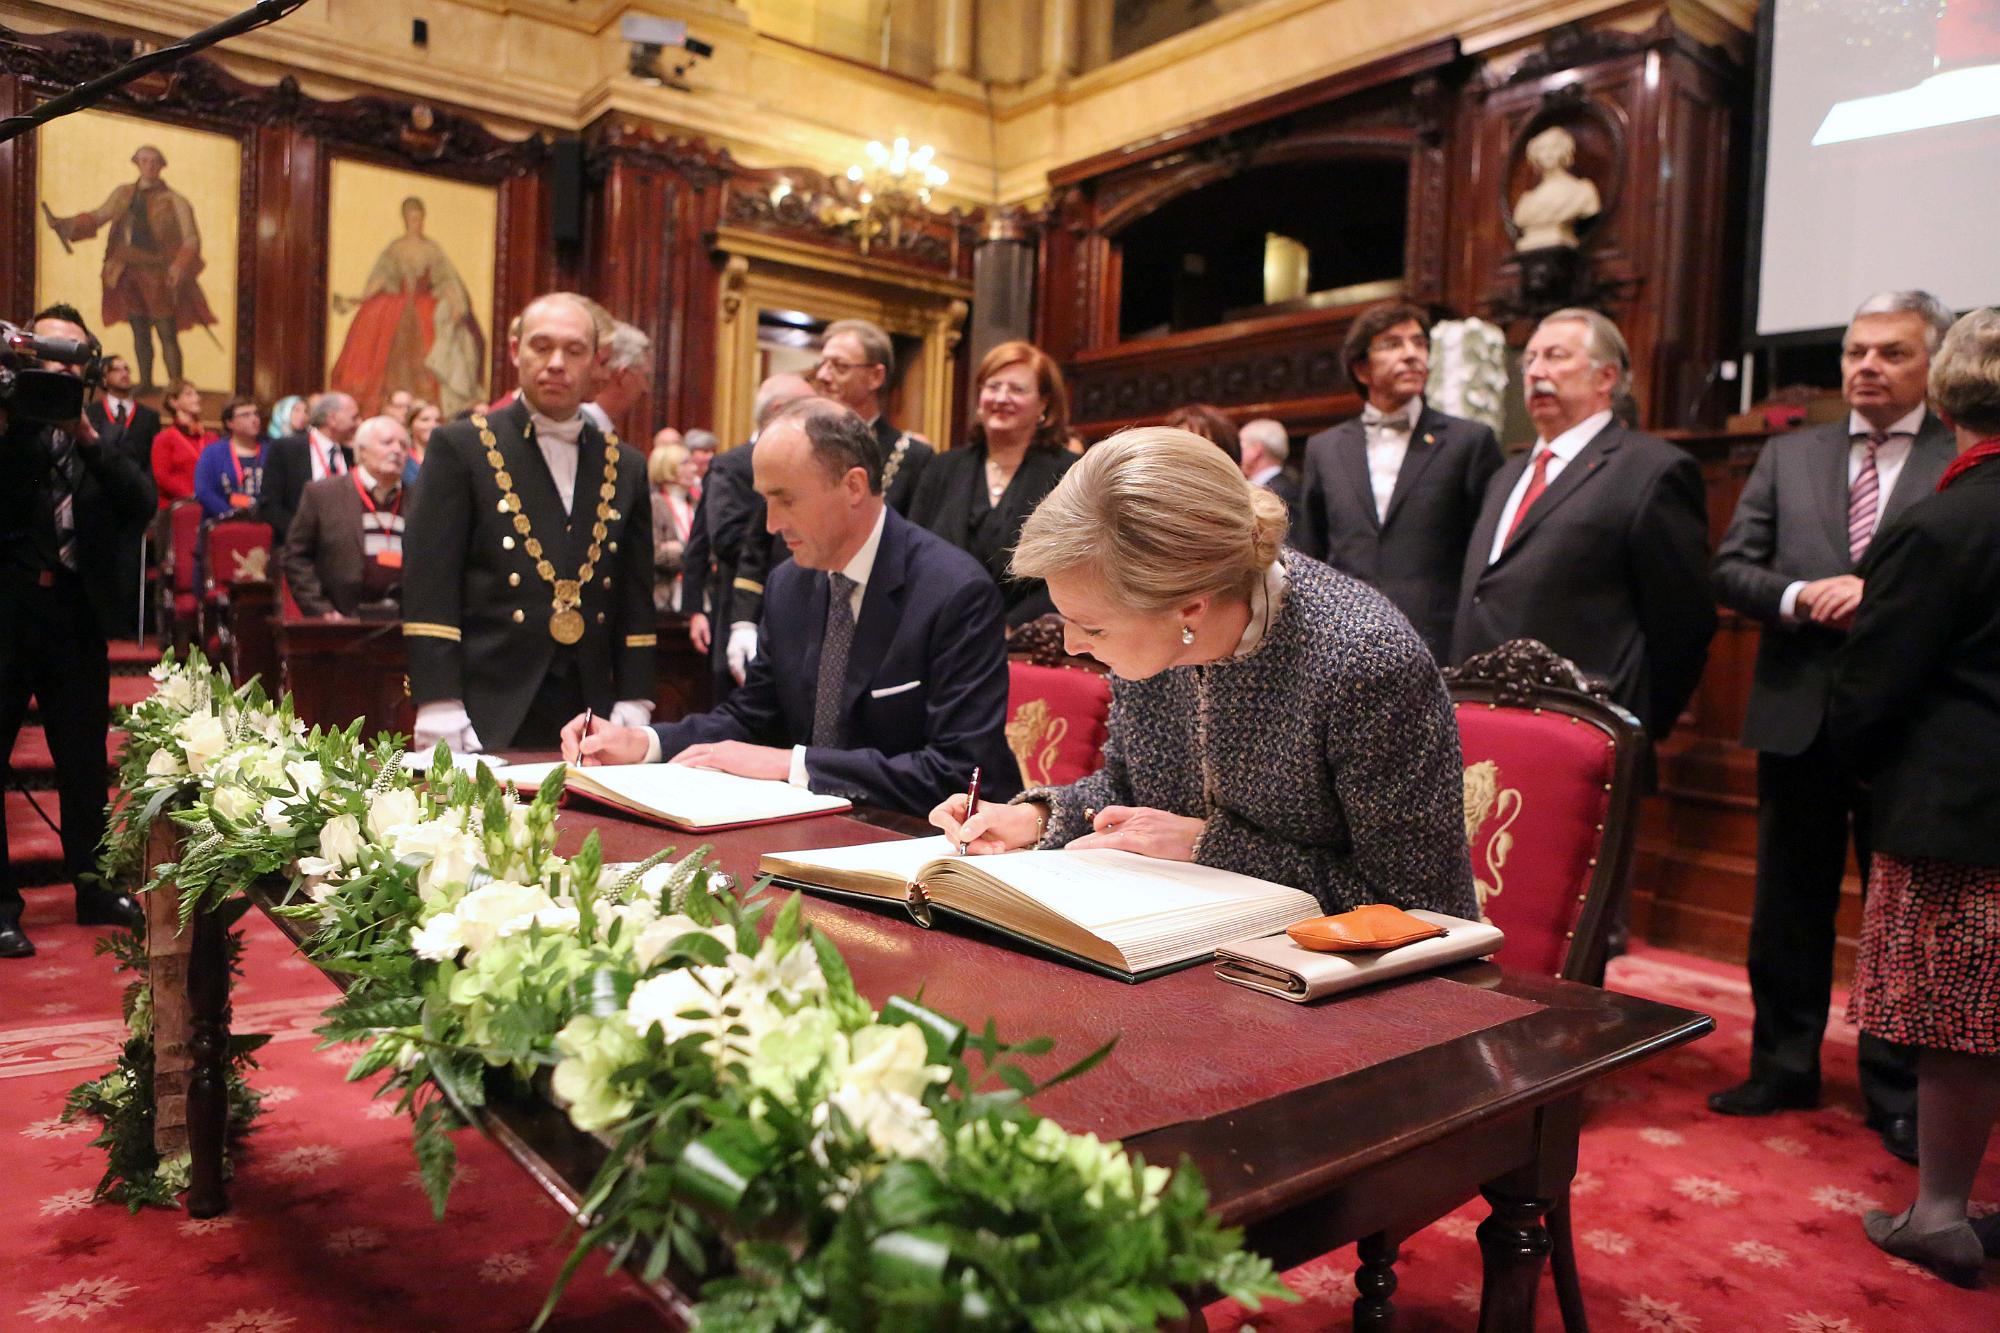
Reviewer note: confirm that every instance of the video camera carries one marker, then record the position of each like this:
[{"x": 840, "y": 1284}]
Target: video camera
[{"x": 31, "y": 392}]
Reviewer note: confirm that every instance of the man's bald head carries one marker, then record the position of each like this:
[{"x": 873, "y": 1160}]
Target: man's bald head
[
  {"x": 776, "y": 394},
  {"x": 555, "y": 355}
]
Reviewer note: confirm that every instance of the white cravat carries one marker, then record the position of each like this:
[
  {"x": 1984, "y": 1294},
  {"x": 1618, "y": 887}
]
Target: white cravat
[{"x": 558, "y": 442}]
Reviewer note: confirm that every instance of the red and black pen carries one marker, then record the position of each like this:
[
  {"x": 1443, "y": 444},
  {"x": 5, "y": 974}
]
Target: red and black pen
[{"x": 971, "y": 807}]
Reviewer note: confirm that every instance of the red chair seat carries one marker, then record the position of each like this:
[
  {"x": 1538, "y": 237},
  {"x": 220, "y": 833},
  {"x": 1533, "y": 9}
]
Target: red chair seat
[{"x": 1056, "y": 722}]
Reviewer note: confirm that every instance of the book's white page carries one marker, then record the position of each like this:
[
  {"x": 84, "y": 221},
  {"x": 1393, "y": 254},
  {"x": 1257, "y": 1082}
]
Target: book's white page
[
  {"x": 897, "y": 857},
  {"x": 419, "y": 761},
  {"x": 700, "y": 797}
]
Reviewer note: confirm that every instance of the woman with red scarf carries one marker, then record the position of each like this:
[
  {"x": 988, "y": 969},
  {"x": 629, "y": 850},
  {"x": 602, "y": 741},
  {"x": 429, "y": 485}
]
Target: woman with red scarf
[{"x": 1916, "y": 712}]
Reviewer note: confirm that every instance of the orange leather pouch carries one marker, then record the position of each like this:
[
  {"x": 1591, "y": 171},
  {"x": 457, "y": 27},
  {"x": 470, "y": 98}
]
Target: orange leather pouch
[{"x": 1370, "y": 928}]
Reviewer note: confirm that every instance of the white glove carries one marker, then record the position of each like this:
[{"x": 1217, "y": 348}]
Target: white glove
[
  {"x": 632, "y": 713},
  {"x": 742, "y": 649},
  {"x": 446, "y": 720}
]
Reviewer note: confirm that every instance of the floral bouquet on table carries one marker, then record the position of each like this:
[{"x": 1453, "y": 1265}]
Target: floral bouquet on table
[{"x": 802, "y": 1158}]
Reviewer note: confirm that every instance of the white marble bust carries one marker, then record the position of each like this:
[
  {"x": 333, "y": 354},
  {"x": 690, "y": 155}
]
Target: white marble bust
[{"x": 1546, "y": 214}]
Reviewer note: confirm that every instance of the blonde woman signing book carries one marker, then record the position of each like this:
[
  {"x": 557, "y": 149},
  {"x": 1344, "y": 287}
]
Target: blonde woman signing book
[{"x": 1269, "y": 715}]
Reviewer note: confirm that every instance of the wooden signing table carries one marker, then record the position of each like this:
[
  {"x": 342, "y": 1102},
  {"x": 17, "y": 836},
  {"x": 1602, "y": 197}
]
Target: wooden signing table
[{"x": 1361, "y": 1118}]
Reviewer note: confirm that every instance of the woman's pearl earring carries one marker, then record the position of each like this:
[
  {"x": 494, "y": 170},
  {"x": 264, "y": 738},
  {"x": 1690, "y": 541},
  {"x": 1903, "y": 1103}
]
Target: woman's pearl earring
[{"x": 1187, "y": 634}]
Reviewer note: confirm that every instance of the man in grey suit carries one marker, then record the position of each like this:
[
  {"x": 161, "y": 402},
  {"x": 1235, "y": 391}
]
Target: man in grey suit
[
  {"x": 1391, "y": 496},
  {"x": 1595, "y": 542},
  {"x": 1812, "y": 505}
]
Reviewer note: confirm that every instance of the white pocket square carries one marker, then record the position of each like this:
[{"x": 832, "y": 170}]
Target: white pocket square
[{"x": 888, "y": 690}]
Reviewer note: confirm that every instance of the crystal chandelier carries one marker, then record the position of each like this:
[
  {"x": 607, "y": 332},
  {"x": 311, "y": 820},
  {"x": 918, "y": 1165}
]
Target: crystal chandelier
[{"x": 896, "y": 181}]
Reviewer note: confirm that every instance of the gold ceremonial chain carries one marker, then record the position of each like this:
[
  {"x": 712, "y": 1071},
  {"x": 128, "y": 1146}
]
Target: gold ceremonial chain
[{"x": 565, "y": 621}]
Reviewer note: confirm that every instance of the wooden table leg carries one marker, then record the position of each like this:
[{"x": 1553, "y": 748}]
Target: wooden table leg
[
  {"x": 208, "y": 1081},
  {"x": 1374, "y": 1312},
  {"x": 1513, "y": 1246}
]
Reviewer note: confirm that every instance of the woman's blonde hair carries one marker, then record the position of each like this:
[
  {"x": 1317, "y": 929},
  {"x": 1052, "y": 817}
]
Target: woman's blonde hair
[
  {"x": 663, "y": 465},
  {"x": 1159, "y": 517}
]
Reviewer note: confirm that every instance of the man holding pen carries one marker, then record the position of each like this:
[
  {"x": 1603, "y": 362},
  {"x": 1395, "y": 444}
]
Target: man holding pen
[{"x": 881, "y": 667}]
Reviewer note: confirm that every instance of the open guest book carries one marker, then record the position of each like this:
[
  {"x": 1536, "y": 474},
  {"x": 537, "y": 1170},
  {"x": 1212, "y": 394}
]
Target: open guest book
[
  {"x": 1277, "y": 966},
  {"x": 1128, "y": 916},
  {"x": 699, "y": 800}
]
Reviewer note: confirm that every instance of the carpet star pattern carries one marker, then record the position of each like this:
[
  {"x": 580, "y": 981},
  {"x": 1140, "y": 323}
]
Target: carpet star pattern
[{"x": 80, "y": 1301}]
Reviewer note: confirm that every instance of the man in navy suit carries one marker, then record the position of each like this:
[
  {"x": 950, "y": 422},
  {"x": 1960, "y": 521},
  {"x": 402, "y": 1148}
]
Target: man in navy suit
[
  {"x": 1391, "y": 495},
  {"x": 881, "y": 668}
]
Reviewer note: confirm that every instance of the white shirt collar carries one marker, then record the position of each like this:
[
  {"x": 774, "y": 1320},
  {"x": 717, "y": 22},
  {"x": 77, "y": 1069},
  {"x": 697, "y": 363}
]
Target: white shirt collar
[
  {"x": 1908, "y": 424},
  {"x": 557, "y": 432},
  {"x": 863, "y": 563},
  {"x": 1569, "y": 444},
  {"x": 1410, "y": 411},
  {"x": 112, "y": 403},
  {"x": 367, "y": 478},
  {"x": 1267, "y": 598},
  {"x": 1264, "y": 475}
]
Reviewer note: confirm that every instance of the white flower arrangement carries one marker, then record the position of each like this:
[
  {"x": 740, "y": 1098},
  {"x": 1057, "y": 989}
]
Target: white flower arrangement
[{"x": 1469, "y": 371}]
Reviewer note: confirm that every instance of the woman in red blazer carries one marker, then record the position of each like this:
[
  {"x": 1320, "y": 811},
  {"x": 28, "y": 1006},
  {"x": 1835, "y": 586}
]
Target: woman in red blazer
[{"x": 179, "y": 444}]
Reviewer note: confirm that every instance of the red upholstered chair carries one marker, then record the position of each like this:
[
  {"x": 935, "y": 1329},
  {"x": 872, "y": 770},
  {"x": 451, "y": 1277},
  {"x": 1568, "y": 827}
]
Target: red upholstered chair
[
  {"x": 1553, "y": 776},
  {"x": 177, "y": 534},
  {"x": 1056, "y": 721},
  {"x": 235, "y": 549}
]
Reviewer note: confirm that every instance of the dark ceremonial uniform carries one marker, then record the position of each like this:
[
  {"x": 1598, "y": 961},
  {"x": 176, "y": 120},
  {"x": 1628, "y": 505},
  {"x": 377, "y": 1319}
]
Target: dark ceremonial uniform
[
  {"x": 527, "y": 642},
  {"x": 904, "y": 458}
]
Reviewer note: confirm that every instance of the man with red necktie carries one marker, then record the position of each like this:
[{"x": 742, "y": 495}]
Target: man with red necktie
[
  {"x": 1596, "y": 541},
  {"x": 1814, "y": 503}
]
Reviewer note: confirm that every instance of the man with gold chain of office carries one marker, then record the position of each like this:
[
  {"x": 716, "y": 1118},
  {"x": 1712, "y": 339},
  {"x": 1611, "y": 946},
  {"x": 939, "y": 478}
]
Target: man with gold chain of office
[{"x": 528, "y": 549}]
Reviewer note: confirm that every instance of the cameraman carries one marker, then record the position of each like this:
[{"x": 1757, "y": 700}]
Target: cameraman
[{"x": 64, "y": 499}]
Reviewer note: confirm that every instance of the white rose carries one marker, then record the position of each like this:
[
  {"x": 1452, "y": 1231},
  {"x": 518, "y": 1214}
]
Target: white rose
[
  {"x": 392, "y": 809},
  {"x": 659, "y": 933},
  {"x": 164, "y": 764},
  {"x": 490, "y": 907},
  {"x": 438, "y": 939},
  {"x": 453, "y": 861},
  {"x": 553, "y": 920},
  {"x": 895, "y": 1123},
  {"x": 234, "y": 804},
  {"x": 664, "y": 1000},
  {"x": 890, "y": 1057},
  {"x": 307, "y": 776},
  {"x": 277, "y": 817},
  {"x": 340, "y": 840},
  {"x": 202, "y": 738}
]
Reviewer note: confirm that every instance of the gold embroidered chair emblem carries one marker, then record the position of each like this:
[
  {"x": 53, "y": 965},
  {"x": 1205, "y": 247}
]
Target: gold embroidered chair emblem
[
  {"x": 1486, "y": 799},
  {"x": 251, "y": 566},
  {"x": 1034, "y": 737}
]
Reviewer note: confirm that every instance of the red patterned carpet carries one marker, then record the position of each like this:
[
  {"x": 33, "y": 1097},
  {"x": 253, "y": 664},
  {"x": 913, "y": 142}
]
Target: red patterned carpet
[{"x": 1685, "y": 1223}]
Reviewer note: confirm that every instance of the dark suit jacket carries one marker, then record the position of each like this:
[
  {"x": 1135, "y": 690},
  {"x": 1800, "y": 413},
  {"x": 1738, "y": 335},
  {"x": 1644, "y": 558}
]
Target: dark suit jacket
[
  {"x": 476, "y": 612},
  {"x": 1916, "y": 687},
  {"x": 323, "y": 559},
  {"x": 1416, "y": 555},
  {"x": 287, "y": 469},
  {"x": 1791, "y": 525},
  {"x": 1286, "y": 487},
  {"x": 953, "y": 502},
  {"x": 925, "y": 696},
  {"x": 900, "y": 477},
  {"x": 113, "y": 495},
  {"x": 1609, "y": 568},
  {"x": 135, "y": 439}
]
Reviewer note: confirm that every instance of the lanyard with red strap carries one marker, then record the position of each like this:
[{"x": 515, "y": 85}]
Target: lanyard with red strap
[
  {"x": 387, "y": 558},
  {"x": 240, "y": 498}
]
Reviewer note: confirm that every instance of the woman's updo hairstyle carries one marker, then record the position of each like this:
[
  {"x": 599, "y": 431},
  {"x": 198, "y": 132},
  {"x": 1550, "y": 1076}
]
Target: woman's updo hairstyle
[{"x": 1159, "y": 517}]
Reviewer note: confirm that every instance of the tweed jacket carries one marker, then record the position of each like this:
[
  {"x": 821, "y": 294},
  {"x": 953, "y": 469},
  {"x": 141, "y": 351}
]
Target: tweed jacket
[{"x": 1329, "y": 752}]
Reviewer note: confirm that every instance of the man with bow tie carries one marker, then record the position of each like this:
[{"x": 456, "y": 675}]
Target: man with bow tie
[
  {"x": 528, "y": 582},
  {"x": 1813, "y": 505},
  {"x": 1391, "y": 496}
]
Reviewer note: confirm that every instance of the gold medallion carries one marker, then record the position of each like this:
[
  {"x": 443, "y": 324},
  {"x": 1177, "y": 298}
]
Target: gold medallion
[{"x": 566, "y": 627}]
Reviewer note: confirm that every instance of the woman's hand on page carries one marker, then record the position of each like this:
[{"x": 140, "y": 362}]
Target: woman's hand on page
[
  {"x": 995, "y": 828},
  {"x": 1142, "y": 829}
]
